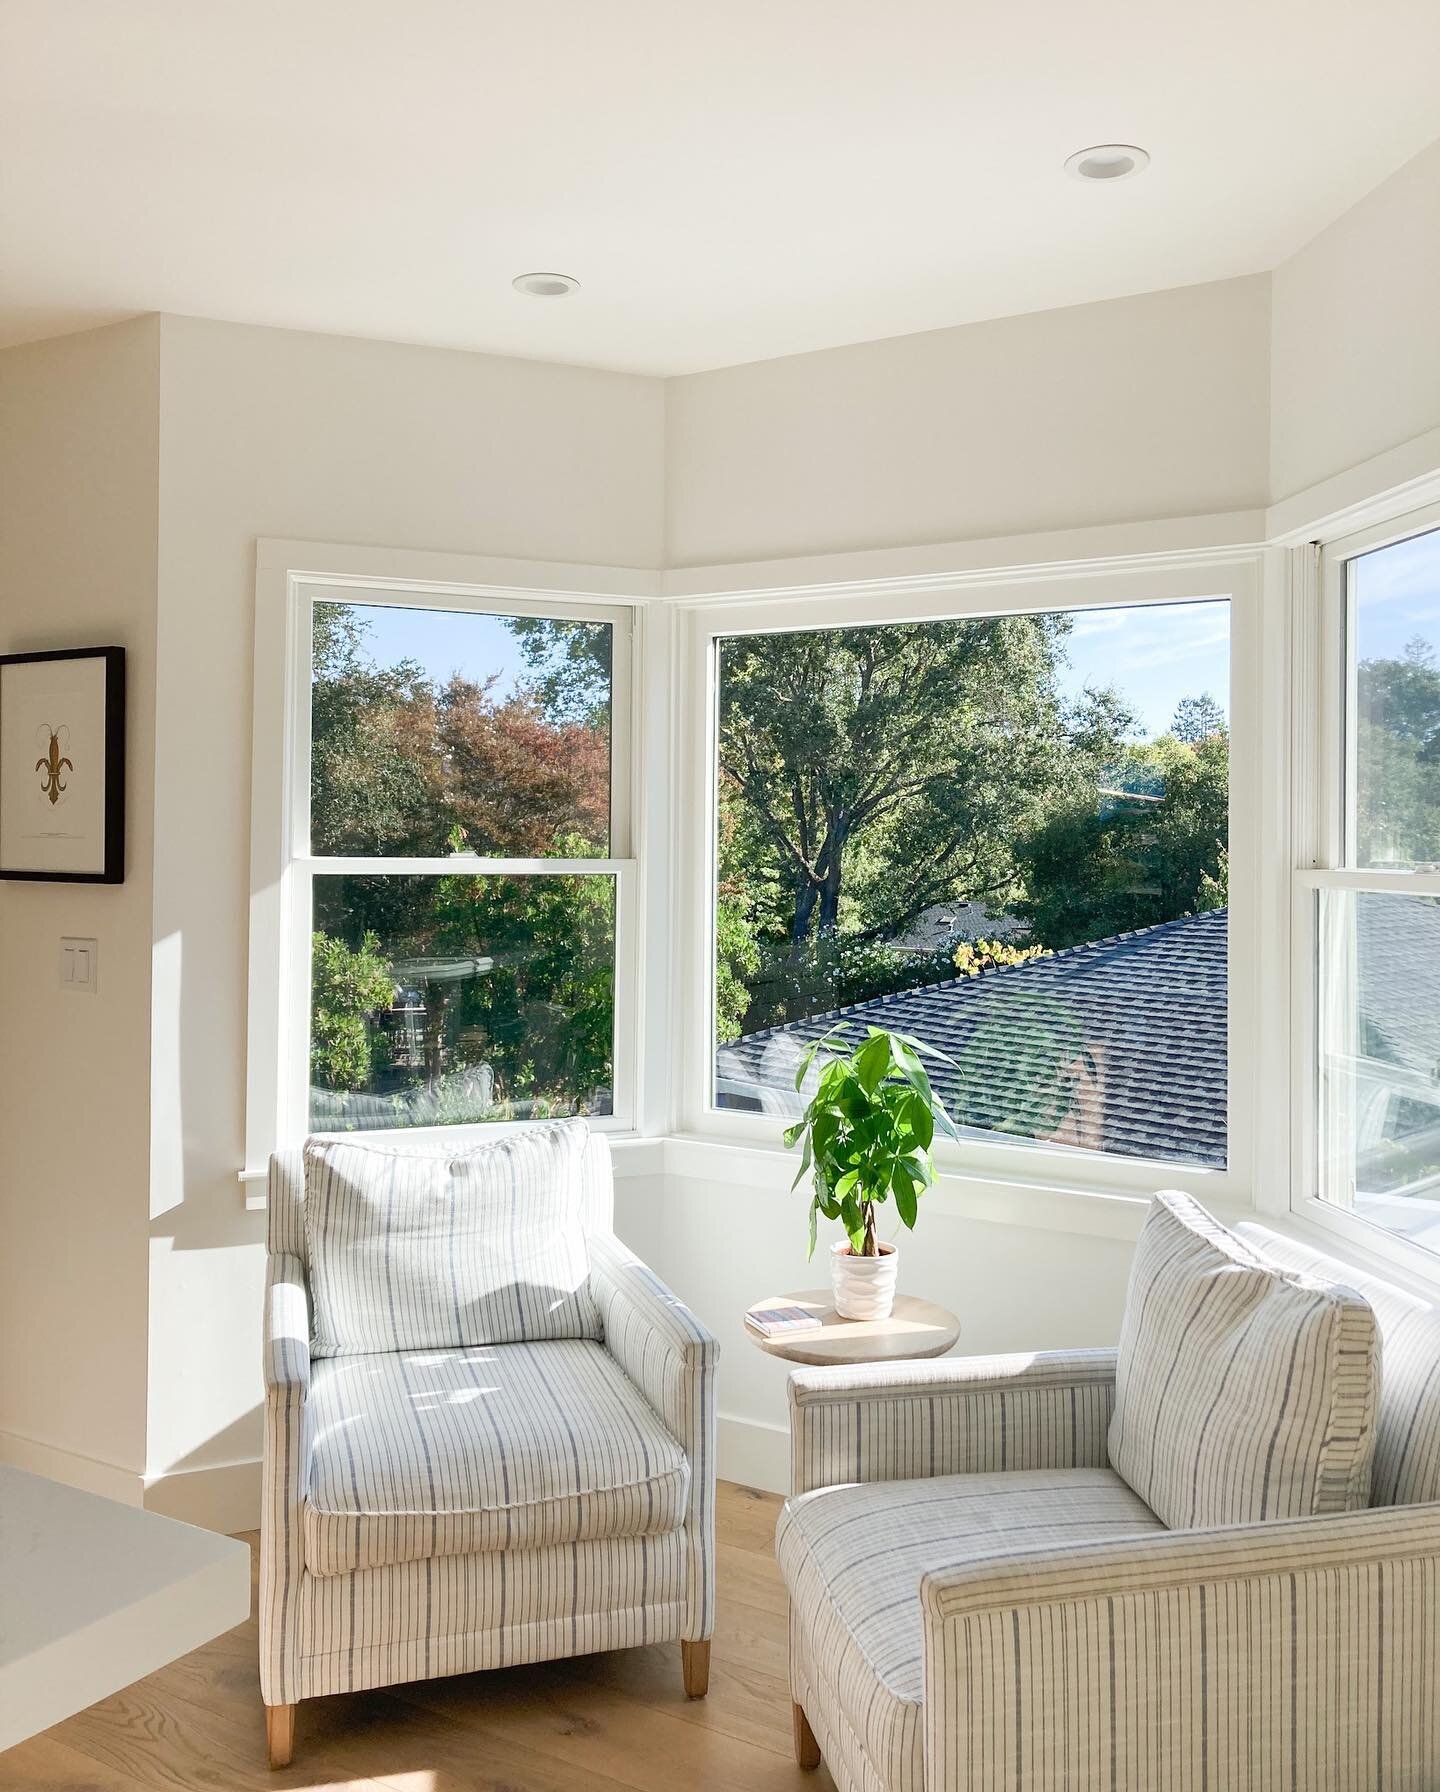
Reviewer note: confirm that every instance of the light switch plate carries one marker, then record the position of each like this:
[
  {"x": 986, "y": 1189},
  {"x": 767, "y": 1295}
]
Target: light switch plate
[{"x": 79, "y": 966}]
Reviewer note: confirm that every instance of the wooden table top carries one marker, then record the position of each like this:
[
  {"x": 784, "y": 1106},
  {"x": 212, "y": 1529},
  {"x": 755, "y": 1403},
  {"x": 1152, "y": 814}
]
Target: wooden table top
[{"x": 915, "y": 1328}]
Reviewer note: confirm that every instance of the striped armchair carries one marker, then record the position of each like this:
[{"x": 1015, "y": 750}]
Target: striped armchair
[
  {"x": 978, "y": 1601},
  {"x": 496, "y": 1493}
]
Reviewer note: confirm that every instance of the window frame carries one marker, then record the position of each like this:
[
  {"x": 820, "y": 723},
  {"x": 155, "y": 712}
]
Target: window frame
[
  {"x": 1323, "y": 751},
  {"x": 1236, "y": 575},
  {"x": 283, "y": 867}
]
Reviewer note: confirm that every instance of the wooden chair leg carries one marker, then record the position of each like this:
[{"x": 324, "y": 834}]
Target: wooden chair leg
[
  {"x": 807, "y": 1749},
  {"x": 280, "y": 1734},
  {"x": 695, "y": 1665}
]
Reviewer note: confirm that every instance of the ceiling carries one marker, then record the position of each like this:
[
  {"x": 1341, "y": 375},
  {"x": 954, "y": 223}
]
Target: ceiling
[{"x": 729, "y": 179}]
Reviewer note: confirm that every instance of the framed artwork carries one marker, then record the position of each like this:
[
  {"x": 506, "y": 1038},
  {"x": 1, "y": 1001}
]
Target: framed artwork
[{"x": 62, "y": 766}]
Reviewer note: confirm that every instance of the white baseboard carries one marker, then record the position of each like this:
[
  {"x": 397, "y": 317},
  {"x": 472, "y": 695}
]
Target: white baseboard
[
  {"x": 90, "y": 1474},
  {"x": 223, "y": 1498},
  {"x": 753, "y": 1453}
]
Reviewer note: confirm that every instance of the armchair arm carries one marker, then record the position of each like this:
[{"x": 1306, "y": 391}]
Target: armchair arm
[
  {"x": 285, "y": 1470},
  {"x": 670, "y": 1356},
  {"x": 950, "y": 1416},
  {"x": 1290, "y": 1652},
  {"x": 286, "y": 1330}
]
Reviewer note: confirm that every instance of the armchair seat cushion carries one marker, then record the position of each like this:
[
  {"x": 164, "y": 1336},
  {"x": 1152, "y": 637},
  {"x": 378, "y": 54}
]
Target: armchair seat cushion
[
  {"x": 419, "y": 1454},
  {"x": 853, "y": 1558}
]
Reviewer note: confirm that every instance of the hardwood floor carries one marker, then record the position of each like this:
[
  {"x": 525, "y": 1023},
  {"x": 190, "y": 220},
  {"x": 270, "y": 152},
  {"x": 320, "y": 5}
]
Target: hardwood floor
[{"x": 602, "y": 1723}]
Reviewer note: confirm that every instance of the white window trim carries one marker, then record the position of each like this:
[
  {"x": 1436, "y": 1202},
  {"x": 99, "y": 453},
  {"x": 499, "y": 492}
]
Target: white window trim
[
  {"x": 1322, "y": 668},
  {"x": 289, "y": 577},
  {"x": 1258, "y": 803}
]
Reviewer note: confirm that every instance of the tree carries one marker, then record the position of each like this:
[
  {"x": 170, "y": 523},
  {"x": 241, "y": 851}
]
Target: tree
[
  {"x": 1099, "y": 867},
  {"x": 347, "y": 988},
  {"x": 1197, "y": 718},
  {"x": 401, "y": 767},
  {"x": 894, "y": 765},
  {"x": 1397, "y": 758}
]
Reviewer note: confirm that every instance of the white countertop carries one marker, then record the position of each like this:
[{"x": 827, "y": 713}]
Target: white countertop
[{"x": 95, "y": 1595}]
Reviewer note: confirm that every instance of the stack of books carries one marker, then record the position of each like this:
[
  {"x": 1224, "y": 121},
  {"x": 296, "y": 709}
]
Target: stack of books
[{"x": 781, "y": 1322}]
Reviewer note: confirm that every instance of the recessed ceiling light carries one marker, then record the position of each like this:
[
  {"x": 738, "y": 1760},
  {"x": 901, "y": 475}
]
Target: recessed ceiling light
[
  {"x": 1107, "y": 161},
  {"x": 545, "y": 286}
]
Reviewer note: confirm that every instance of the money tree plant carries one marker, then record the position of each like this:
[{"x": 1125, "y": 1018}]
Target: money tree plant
[{"x": 867, "y": 1129}]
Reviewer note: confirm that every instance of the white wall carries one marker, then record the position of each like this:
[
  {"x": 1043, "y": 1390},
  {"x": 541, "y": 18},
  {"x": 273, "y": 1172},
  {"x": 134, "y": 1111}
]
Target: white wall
[
  {"x": 279, "y": 433},
  {"x": 1356, "y": 354},
  {"x": 1135, "y": 409},
  {"x": 78, "y": 462}
]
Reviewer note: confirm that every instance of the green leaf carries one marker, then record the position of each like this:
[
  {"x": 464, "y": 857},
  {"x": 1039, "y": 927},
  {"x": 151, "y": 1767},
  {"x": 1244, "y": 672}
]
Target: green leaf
[
  {"x": 872, "y": 1062},
  {"x": 814, "y": 1227},
  {"x": 905, "y": 1203}
]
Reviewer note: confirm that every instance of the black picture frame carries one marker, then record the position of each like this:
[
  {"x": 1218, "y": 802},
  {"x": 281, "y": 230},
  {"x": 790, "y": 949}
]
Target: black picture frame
[{"x": 113, "y": 800}]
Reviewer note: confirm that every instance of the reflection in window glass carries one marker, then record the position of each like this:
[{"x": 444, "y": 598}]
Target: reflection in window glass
[
  {"x": 1006, "y": 836},
  {"x": 1395, "y": 612},
  {"x": 1380, "y": 1058},
  {"x": 454, "y": 1000},
  {"x": 434, "y": 731}
]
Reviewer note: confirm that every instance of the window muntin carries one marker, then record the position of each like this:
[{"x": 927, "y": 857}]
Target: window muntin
[
  {"x": 898, "y": 806},
  {"x": 470, "y": 750}
]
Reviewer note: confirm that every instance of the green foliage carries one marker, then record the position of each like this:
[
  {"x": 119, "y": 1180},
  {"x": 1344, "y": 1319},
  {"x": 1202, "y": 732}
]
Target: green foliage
[
  {"x": 347, "y": 986},
  {"x": 737, "y": 957},
  {"x": 570, "y": 666},
  {"x": 1091, "y": 870},
  {"x": 1197, "y": 718},
  {"x": 867, "y": 1130},
  {"x": 1397, "y": 758},
  {"x": 833, "y": 972},
  {"x": 974, "y": 956},
  {"x": 876, "y": 771}
]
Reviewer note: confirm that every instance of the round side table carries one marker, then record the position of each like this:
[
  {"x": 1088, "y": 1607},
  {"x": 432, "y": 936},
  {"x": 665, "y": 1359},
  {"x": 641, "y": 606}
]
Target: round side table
[{"x": 915, "y": 1328}]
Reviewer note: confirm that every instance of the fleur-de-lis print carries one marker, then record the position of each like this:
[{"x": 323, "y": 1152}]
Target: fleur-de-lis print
[{"x": 51, "y": 769}]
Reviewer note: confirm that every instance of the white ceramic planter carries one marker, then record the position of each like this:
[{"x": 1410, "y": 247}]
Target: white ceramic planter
[{"x": 864, "y": 1286}]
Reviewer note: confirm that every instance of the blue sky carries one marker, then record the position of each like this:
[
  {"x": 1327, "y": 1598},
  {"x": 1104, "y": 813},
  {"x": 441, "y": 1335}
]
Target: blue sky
[
  {"x": 1154, "y": 654},
  {"x": 1397, "y": 596},
  {"x": 444, "y": 641}
]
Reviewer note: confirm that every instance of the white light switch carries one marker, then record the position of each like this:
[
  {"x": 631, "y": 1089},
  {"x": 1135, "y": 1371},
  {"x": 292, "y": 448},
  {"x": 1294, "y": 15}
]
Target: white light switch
[{"x": 79, "y": 965}]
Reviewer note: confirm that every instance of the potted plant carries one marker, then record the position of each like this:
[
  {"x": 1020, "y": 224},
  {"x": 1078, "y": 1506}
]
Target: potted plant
[{"x": 867, "y": 1130}]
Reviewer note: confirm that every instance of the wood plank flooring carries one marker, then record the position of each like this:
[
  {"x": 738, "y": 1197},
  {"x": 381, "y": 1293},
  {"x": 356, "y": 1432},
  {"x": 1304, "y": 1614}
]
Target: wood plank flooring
[{"x": 602, "y": 1723}]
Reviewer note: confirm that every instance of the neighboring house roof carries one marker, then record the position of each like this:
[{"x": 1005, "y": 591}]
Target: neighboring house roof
[
  {"x": 1149, "y": 1079},
  {"x": 1397, "y": 963},
  {"x": 942, "y": 922}
]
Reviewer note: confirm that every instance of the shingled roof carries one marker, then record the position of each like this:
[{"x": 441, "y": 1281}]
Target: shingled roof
[{"x": 1133, "y": 1027}]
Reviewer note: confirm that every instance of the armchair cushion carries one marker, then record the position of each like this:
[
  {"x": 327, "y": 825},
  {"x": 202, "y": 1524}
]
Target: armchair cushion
[
  {"x": 417, "y": 1251},
  {"x": 420, "y": 1454},
  {"x": 1244, "y": 1391},
  {"x": 853, "y": 1559}
]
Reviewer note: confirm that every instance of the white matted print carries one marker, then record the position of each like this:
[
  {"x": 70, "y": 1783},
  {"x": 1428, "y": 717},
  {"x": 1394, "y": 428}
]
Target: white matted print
[{"x": 62, "y": 768}]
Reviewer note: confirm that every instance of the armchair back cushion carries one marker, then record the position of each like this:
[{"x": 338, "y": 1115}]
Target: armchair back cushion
[
  {"x": 1407, "y": 1431},
  {"x": 417, "y": 1251},
  {"x": 1244, "y": 1390}
]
